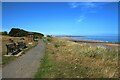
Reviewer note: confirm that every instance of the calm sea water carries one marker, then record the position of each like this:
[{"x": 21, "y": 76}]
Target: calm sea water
[{"x": 113, "y": 39}]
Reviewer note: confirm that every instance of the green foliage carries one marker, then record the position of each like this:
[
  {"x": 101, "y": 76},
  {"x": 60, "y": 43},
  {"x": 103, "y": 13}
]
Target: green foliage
[
  {"x": 49, "y": 35},
  {"x": 46, "y": 67},
  {"x": 37, "y": 35},
  {"x": 16, "y": 32},
  {"x": 5, "y": 60},
  {"x": 57, "y": 45},
  {"x": 49, "y": 39},
  {"x": 4, "y": 33}
]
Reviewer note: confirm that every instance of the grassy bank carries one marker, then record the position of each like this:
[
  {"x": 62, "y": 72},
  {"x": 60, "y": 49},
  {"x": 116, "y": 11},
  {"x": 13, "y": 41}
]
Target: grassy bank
[{"x": 66, "y": 59}]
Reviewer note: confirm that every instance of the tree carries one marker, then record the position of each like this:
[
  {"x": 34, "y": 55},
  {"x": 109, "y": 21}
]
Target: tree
[
  {"x": 4, "y": 33},
  {"x": 16, "y": 32}
]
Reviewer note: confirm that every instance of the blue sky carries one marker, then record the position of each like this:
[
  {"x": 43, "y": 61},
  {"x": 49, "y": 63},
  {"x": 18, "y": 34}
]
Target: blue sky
[{"x": 62, "y": 18}]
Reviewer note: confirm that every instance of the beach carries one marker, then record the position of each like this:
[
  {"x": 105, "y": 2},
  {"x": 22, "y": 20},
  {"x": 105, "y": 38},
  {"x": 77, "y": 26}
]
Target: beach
[{"x": 92, "y": 42}]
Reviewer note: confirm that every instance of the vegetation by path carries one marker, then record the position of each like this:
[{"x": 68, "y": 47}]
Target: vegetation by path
[{"x": 66, "y": 59}]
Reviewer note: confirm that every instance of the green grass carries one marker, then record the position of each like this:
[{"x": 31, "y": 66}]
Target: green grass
[
  {"x": 5, "y": 59},
  {"x": 65, "y": 59},
  {"x": 45, "y": 68}
]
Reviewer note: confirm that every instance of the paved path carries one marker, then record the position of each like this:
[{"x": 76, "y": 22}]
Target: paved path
[{"x": 25, "y": 66}]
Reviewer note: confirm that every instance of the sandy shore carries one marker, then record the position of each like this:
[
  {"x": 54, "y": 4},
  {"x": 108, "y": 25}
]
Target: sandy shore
[
  {"x": 92, "y": 42},
  {"x": 65, "y": 38}
]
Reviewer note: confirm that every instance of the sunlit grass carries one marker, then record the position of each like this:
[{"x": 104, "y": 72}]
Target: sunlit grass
[{"x": 66, "y": 59}]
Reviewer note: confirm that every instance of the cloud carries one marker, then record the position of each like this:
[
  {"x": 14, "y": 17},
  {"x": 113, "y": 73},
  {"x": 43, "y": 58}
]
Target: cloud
[
  {"x": 74, "y": 5},
  {"x": 85, "y": 8},
  {"x": 89, "y": 5},
  {"x": 82, "y": 4},
  {"x": 81, "y": 18}
]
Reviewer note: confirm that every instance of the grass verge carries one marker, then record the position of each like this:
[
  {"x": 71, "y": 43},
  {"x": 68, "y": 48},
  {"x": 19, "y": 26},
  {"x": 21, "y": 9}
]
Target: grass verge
[
  {"x": 46, "y": 65},
  {"x": 66, "y": 59}
]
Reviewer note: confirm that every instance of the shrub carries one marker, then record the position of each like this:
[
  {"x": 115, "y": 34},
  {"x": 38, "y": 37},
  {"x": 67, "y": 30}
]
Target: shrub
[
  {"x": 57, "y": 45},
  {"x": 49, "y": 39},
  {"x": 4, "y": 33},
  {"x": 49, "y": 36}
]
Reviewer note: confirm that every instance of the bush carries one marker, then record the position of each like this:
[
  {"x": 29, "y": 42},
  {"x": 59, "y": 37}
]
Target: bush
[
  {"x": 57, "y": 45},
  {"x": 49, "y": 35},
  {"x": 49, "y": 39},
  {"x": 4, "y": 33}
]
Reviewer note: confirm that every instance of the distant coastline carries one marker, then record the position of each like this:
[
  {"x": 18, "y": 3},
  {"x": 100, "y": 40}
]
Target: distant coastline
[
  {"x": 109, "y": 39},
  {"x": 96, "y": 42},
  {"x": 70, "y": 36}
]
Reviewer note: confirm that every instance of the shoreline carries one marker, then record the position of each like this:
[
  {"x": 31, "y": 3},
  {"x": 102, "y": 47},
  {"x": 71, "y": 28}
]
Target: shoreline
[{"x": 92, "y": 42}]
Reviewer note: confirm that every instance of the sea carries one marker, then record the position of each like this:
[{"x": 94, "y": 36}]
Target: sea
[{"x": 113, "y": 39}]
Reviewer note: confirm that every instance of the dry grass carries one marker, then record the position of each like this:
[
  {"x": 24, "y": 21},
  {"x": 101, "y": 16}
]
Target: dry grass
[
  {"x": 5, "y": 40},
  {"x": 65, "y": 59}
]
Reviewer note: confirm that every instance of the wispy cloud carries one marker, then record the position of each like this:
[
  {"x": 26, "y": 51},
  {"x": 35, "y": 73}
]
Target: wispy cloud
[
  {"x": 82, "y": 4},
  {"x": 89, "y": 5},
  {"x": 85, "y": 8},
  {"x": 74, "y": 5},
  {"x": 81, "y": 18}
]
